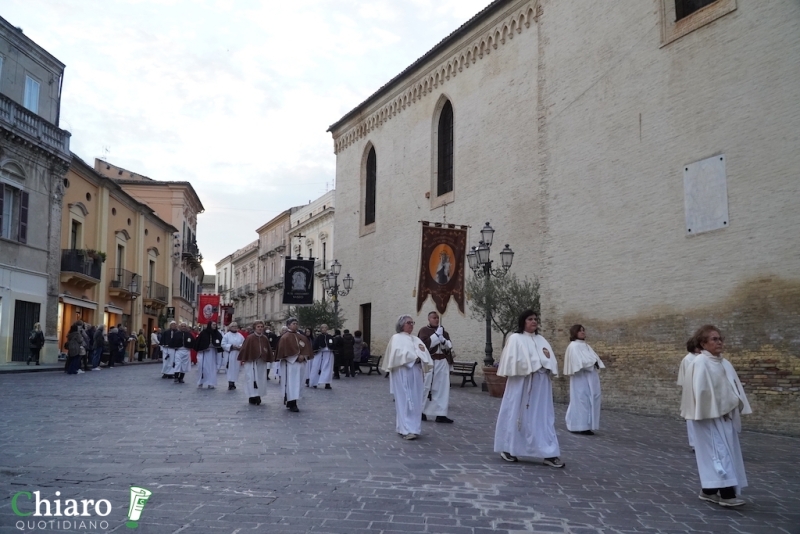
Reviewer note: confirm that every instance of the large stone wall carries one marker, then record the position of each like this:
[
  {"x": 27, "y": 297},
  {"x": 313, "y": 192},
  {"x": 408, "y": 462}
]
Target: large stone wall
[{"x": 571, "y": 138}]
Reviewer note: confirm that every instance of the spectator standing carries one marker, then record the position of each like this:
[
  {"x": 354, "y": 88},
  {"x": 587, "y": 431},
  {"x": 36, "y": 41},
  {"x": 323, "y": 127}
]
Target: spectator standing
[
  {"x": 74, "y": 346},
  {"x": 98, "y": 345},
  {"x": 155, "y": 343},
  {"x": 36, "y": 342},
  {"x": 116, "y": 345},
  {"x": 347, "y": 348},
  {"x": 141, "y": 345}
]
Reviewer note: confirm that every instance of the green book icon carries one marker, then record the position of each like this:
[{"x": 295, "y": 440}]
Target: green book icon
[{"x": 139, "y": 498}]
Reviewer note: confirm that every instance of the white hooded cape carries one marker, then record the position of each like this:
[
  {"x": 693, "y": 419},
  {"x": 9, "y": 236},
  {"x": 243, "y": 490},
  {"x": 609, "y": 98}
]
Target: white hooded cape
[
  {"x": 525, "y": 354},
  {"x": 579, "y": 355},
  {"x": 711, "y": 389},
  {"x": 404, "y": 349}
]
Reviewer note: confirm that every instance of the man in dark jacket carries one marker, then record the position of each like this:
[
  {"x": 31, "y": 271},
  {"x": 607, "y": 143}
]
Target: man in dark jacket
[
  {"x": 116, "y": 344},
  {"x": 98, "y": 344},
  {"x": 346, "y": 347}
]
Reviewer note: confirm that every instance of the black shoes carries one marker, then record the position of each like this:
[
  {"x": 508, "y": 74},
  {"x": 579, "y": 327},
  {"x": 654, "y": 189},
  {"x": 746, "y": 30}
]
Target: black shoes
[
  {"x": 443, "y": 419},
  {"x": 328, "y": 386},
  {"x": 424, "y": 417},
  {"x": 292, "y": 406},
  {"x": 256, "y": 401},
  {"x": 584, "y": 432},
  {"x": 336, "y": 377},
  {"x": 231, "y": 386},
  {"x": 306, "y": 382}
]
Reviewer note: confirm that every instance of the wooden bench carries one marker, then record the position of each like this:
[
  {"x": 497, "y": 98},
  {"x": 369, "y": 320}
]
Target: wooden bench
[
  {"x": 373, "y": 363},
  {"x": 466, "y": 370}
]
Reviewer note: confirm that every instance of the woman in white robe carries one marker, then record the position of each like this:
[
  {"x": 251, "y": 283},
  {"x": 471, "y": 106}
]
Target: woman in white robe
[
  {"x": 580, "y": 365},
  {"x": 692, "y": 352},
  {"x": 406, "y": 360},
  {"x": 232, "y": 343},
  {"x": 526, "y": 422},
  {"x": 713, "y": 400}
]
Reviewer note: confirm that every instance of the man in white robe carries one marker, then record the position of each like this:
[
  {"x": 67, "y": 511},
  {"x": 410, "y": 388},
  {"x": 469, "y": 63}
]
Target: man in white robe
[
  {"x": 232, "y": 343},
  {"x": 436, "y": 393},
  {"x": 322, "y": 364},
  {"x": 713, "y": 400},
  {"x": 406, "y": 360},
  {"x": 256, "y": 355},
  {"x": 526, "y": 422},
  {"x": 182, "y": 344},
  {"x": 294, "y": 349},
  {"x": 580, "y": 365},
  {"x": 686, "y": 363}
]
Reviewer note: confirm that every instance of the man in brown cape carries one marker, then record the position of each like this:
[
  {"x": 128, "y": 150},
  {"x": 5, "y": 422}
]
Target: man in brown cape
[
  {"x": 294, "y": 349},
  {"x": 437, "y": 381},
  {"x": 256, "y": 356}
]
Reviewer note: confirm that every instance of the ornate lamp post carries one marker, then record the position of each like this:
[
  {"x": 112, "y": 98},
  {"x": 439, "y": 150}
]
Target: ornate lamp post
[
  {"x": 330, "y": 285},
  {"x": 481, "y": 265}
]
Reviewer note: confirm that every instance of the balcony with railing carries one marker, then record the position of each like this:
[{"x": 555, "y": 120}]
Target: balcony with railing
[
  {"x": 123, "y": 283},
  {"x": 155, "y": 295},
  {"x": 249, "y": 289},
  {"x": 80, "y": 269},
  {"x": 33, "y": 128},
  {"x": 191, "y": 253}
]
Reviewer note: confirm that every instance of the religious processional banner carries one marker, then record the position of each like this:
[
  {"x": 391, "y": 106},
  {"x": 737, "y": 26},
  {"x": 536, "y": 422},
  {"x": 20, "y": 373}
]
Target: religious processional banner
[
  {"x": 298, "y": 282},
  {"x": 227, "y": 315},
  {"x": 441, "y": 273},
  {"x": 208, "y": 309}
]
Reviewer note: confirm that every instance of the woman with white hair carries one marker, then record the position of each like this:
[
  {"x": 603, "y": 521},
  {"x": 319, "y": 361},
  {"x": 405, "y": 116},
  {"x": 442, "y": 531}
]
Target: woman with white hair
[{"x": 407, "y": 360}]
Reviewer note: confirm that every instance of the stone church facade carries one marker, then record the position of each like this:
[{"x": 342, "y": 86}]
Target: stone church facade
[{"x": 642, "y": 162}]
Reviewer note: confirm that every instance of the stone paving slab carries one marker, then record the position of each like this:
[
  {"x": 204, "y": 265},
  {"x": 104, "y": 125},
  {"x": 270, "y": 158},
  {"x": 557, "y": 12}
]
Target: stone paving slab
[{"x": 217, "y": 464}]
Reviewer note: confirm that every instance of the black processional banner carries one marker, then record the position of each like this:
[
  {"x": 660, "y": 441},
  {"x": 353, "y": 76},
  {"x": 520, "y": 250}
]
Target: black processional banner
[
  {"x": 441, "y": 271},
  {"x": 298, "y": 282}
]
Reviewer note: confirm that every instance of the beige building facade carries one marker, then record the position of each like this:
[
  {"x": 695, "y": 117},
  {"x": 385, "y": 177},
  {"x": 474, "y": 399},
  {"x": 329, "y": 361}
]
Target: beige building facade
[
  {"x": 643, "y": 169},
  {"x": 177, "y": 203},
  {"x": 244, "y": 290},
  {"x": 273, "y": 244},
  {"x": 116, "y": 256},
  {"x": 34, "y": 157}
]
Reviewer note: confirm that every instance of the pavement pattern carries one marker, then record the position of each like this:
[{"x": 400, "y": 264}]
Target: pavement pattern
[{"x": 216, "y": 464}]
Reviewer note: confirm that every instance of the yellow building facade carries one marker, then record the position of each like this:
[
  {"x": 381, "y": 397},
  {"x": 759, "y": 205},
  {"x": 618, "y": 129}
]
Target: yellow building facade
[{"x": 116, "y": 256}]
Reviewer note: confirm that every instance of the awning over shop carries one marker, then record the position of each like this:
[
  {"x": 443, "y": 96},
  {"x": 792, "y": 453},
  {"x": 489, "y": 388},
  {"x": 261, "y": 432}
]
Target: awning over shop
[{"x": 66, "y": 299}]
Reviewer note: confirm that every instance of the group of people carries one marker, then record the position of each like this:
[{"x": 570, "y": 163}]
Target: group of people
[
  {"x": 85, "y": 345},
  {"x": 712, "y": 399}
]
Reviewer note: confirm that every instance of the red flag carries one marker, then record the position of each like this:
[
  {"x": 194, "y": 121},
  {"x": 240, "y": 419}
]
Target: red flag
[{"x": 208, "y": 309}]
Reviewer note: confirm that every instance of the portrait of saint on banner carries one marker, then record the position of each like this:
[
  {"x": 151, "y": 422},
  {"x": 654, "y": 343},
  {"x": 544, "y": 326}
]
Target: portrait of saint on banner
[{"x": 298, "y": 287}]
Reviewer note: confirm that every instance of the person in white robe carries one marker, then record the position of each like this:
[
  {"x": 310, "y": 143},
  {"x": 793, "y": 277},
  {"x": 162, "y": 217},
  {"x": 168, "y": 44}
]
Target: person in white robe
[
  {"x": 692, "y": 352},
  {"x": 322, "y": 368},
  {"x": 208, "y": 344},
  {"x": 526, "y": 422},
  {"x": 436, "y": 393},
  {"x": 713, "y": 399},
  {"x": 580, "y": 365},
  {"x": 232, "y": 343},
  {"x": 182, "y": 344},
  {"x": 256, "y": 355},
  {"x": 167, "y": 352},
  {"x": 294, "y": 349},
  {"x": 406, "y": 360}
]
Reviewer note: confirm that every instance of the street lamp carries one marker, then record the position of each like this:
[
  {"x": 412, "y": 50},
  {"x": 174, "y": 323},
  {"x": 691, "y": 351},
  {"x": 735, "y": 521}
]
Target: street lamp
[
  {"x": 481, "y": 265},
  {"x": 330, "y": 285}
]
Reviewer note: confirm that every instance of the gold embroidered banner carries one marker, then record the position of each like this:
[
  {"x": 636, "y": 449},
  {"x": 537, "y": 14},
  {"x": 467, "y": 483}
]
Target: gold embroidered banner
[{"x": 441, "y": 273}]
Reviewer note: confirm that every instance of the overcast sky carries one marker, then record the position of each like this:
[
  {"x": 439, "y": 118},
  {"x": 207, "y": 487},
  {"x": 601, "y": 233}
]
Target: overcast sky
[{"x": 234, "y": 96}]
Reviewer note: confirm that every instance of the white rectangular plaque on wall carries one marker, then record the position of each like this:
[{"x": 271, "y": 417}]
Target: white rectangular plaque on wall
[{"x": 705, "y": 194}]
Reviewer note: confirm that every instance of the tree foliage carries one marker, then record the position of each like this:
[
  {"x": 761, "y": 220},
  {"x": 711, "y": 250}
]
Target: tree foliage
[
  {"x": 321, "y": 312},
  {"x": 506, "y": 298}
]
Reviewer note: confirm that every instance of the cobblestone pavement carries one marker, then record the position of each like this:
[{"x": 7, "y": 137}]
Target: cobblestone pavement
[{"x": 217, "y": 464}]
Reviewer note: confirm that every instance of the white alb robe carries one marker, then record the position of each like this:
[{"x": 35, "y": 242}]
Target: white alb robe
[
  {"x": 255, "y": 378},
  {"x": 207, "y": 365},
  {"x": 685, "y": 364},
  {"x": 406, "y": 359},
  {"x": 230, "y": 340},
  {"x": 585, "y": 396},
  {"x": 437, "y": 384},
  {"x": 325, "y": 375},
  {"x": 713, "y": 400},
  {"x": 168, "y": 358},
  {"x": 313, "y": 369},
  {"x": 526, "y": 422},
  {"x": 292, "y": 373},
  {"x": 183, "y": 358}
]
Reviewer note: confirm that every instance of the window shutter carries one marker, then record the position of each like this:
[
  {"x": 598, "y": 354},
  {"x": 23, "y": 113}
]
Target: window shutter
[{"x": 23, "y": 217}]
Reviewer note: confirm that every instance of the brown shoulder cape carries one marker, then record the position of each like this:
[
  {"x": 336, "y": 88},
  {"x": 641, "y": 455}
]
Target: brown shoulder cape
[
  {"x": 256, "y": 348},
  {"x": 294, "y": 344},
  {"x": 425, "y": 335}
]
